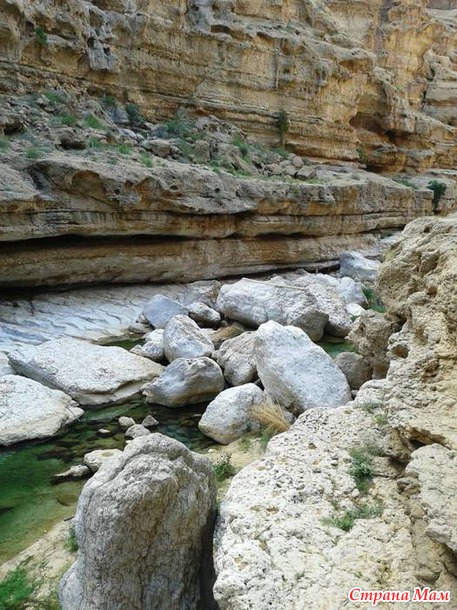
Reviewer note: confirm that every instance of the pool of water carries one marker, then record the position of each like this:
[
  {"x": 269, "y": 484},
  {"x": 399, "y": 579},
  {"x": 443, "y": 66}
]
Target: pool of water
[{"x": 30, "y": 504}]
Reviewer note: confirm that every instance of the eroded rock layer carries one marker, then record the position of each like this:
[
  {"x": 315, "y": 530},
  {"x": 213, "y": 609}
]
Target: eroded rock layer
[{"x": 375, "y": 79}]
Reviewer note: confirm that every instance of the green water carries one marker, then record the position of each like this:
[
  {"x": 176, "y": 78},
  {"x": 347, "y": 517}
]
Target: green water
[
  {"x": 334, "y": 346},
  {"x": 30, "y": 505}
]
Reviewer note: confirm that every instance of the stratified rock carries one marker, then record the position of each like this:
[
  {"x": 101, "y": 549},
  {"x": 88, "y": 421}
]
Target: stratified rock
[
  {"x": 204, "y": 315},
  {"x": 75, "y": 473},
  {"x": 136, "y": 430},
  {"x": 93, "y": 375},
  {"x": 125, "y": 422},
  {"x": 358, "y": 267},
  {"x": 355, "y": 367},
  {"x": 95, "y": 459},
  {"x": 29, "y": 410},
  {"x": 370, "y": 334},
  {"x": 433, "y": 468},
  {"x": 236, "y": 357},
  {"x": 182, "y": 338},
  {"x": 228, "y": 417},
  {"x": 161, "y": 309},
  {"x": 144, "y": 524},
  {"x": 295, "y": 372},
  {"x": 186, "y": 381},
  {"x": 253, "y": 303},
  {"x": 5, "y": 368},
  {"x": 149, "y": 422}
]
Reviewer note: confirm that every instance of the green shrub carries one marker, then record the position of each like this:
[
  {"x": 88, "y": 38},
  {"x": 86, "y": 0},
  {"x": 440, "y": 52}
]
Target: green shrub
[
  {"x": 54, "y": 97},
  {"x": 4, "y": 144},
  {"x": 69, "y": 120},
  {"x": 95, "y": 143},
  {"x": 363, "y": 157},
  {"x": 93, "y": 122},
  {"x": 180, "y": 126},
  {"x": 439, "y": 189},
  {"x": 71, "y": 542},
  {"x": 33, "y": 153},
  {"x": 223, "y": 468},
  {"x": 134, "y": 114},
  {"x": 346, "y": 521},
  {"x": 374, "y": 302},
  {"x": 16, "y": 589},
  {"x": 41, "y": 36},
  {"x": 361, "y": 469},
  {"x": 282, "y": 121},
  {"x": 124, "y": 149},
  {"x": 146, "y": 159},
  {"x": 108, "y": 100},
  {"x": 241, "y": 145}
]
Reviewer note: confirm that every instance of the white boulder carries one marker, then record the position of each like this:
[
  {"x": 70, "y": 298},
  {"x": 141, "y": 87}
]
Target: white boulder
[
  {"x": 182, "y": 338},
  {"x": 160, "y": 309},
  {"x": 236, "y": 357}
]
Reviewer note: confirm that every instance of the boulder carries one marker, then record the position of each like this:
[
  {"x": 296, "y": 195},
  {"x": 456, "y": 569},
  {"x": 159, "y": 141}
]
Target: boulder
[
  {"x": 95, "y": 459},
  {"x": 204, "y": 315},
  {"x": 93, "y": 375},
  {"x": 370, "y": 334},
  {"x": 236, "y": 357},
  {"x": 125, "y": 422},
  {"x": 253, "y": 303},
  {"x": 358, "y": 267},
  {"x": 153, "y": 348},
  {"x": 149, "y": 422},
  {"x": 30, "y": 410},
  {"x": 295, "y": 372},
  {"x": 352, "y": 291},
  {"x": 144, "y": 527},
  {"x": 160, "y": 309},
  {"x": 186, "y": 381},
  {"x": 136, "y": 430},
  {"x": 182, "y": 338},
  {"x": 355, "y": 367},
  {"x": 75, "y": 473},
  {"x": 228, "y": 417}
]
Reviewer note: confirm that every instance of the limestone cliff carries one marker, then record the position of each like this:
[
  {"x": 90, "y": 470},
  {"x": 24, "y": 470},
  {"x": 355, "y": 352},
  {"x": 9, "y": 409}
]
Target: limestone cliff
[
  {"x": 374, "y": 79},
  {"x": 301, "y": 526}
]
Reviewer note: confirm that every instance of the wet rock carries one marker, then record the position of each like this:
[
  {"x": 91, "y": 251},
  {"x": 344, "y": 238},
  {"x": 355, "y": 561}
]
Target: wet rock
[
  {"x": 236, "y": 357},
  {"x": 149, "y": 422},
  {"x": 136, "y": 430},
  {"x": 95, "y": 459},
  {"x": 160, "y": 309},
  {"x": 93, "y": 375},
  {"x": 355, "y": 367},
  {"x": 30, "y": 410},
  {"x": 151, "y": 511},
  {"x": 125, "y": 422},
  {"x": 204, "y": 315},
  {"x": 75, "y": 473},
  {"x": 252, "y": 302},
  {"x": 182, "y": 338},
  {"x": 186, "y": 381},
  {"x": 228, "y": 417},
  {"x": 296, "y": 373}
]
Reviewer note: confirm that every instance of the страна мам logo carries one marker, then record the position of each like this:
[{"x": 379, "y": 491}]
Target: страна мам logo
[{"x": 356, "y": 594}]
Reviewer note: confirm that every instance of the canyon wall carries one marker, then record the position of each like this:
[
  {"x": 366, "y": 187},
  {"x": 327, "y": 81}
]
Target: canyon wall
[{"x": 373, "y": 79}]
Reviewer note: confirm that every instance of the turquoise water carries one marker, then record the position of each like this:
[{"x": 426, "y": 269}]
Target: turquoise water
[{"x": 30, "y": 505}]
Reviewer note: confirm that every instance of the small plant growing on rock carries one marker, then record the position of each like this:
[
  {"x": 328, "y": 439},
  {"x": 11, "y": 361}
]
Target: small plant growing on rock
[
  {"x": 134, "y": 114},
  {"x": 71, "y": 542},
  {"x": 223, "y": 468},
  {"x": 16, "y": 589},
  {"x": 180, "y": 126},
  {"x": 69, "y": 120},
  {"x": 346, "y": 521},
  {"x": 271, "y": 417},
  {"x": 282, "y": 121},
  {"x": 41, "y": 36},
  {"x": 146, "y": 159},
  {"x": 33, "y": 153},
  {"x": 439, "y": 189},
  {"x": 4, "y": 144},
  {"x": 124, "y": 149},
  {"x": 361, "y": 469},
  {"x": 93, "y": 122},
  {"x": 242, "y": 146}
]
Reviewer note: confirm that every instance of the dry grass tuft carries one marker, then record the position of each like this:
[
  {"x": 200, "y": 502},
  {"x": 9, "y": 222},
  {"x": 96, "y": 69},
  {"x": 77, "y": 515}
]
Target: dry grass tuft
[{"x": 271, "y": 417}]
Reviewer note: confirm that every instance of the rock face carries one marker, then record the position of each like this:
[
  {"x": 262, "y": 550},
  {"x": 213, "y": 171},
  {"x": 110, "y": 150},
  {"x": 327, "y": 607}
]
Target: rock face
[
  {"x": 355, "y": 367},
  {"x": 296, "y": 373},
  {"x": 236, "y": 357},
  {"x": 182, "y": 338},
  {"x": 346, "y": 68},
  {"x": 91, "y": 374},
  {"x": 29, "y": 410},
  {"x": 229, "y": 416},
  {"x": 149, "y": 511},
  {"x": 186, "y": 381},
  {"x": 253, "y": 303},
  {"x": 277, "y": 543}
]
